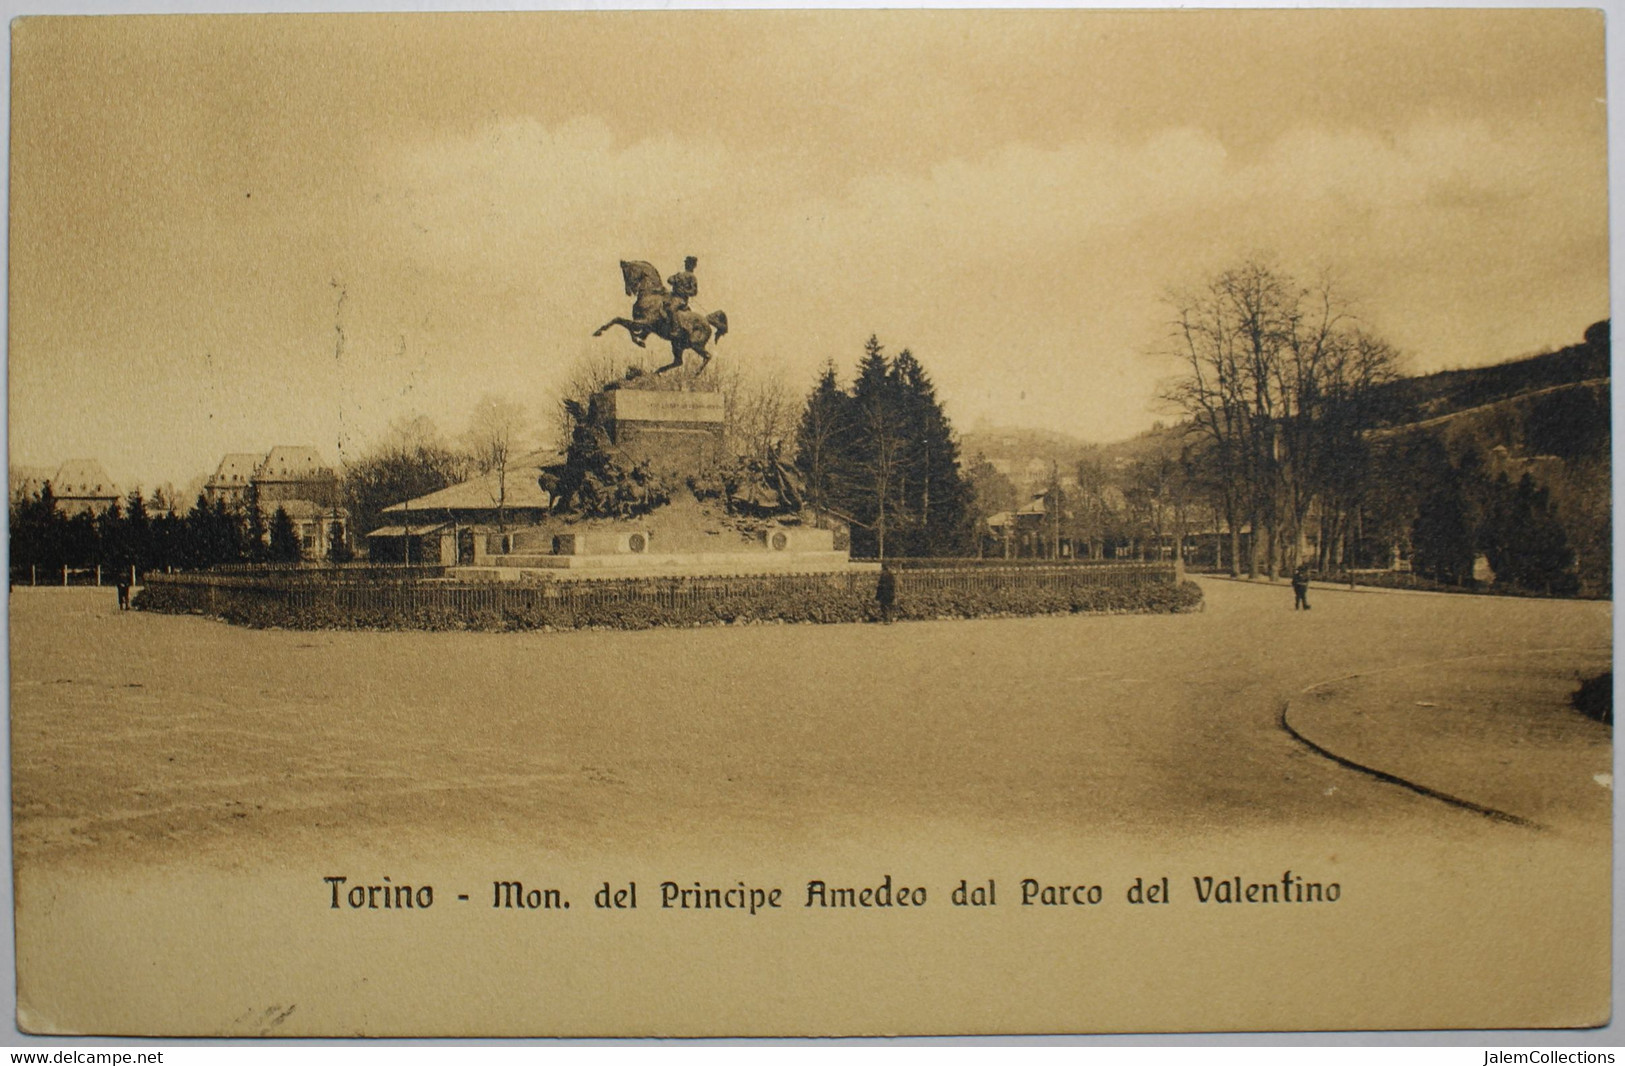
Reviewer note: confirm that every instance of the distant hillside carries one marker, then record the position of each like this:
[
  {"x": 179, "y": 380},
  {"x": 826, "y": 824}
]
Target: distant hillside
[
  {"x": 1547, "y": 416},
  {"x": 1025, "y": 456},
  {"x": 1429, "y": 396},
  {"x": 993, "y": 440}
]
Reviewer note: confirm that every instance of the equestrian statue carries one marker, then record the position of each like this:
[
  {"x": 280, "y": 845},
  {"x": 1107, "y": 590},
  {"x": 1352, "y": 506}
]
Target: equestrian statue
[{"x": 665, "y": 313}]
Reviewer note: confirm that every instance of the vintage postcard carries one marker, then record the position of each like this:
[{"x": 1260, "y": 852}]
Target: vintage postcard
[{"x": 810, "y": 523}]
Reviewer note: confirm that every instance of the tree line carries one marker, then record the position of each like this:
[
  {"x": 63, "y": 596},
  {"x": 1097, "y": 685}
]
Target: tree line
[
  {"x": 1296, "y": 431},
  {"x": 130, "y": 534},
  {"x": 1301, "y": 441}
]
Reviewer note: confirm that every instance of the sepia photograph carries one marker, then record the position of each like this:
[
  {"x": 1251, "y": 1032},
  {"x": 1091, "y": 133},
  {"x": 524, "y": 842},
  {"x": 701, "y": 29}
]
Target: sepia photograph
[{"x": 745, "y": 523}]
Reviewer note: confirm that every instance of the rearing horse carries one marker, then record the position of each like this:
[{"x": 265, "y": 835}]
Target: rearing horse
[{"x": 653, "y": 311}]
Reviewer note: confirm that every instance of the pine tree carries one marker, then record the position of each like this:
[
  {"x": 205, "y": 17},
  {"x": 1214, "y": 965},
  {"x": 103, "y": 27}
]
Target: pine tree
[
  {"x": 228, "y": 533},
  {"x": 37, "y": 532},
  {"x": 112, "y": 549},
  {"x": 1450, "y": 521},
  {"x": 338, "y": 547},
  {"x": 80, "y": 540},
  {"x": 256, "y": 537},
  {"x": 137, "y": 533},
  {"x": 823, "y": 440},
  {"x": 935, "y": 494},
  {"x": 197, "y": 535},
  {"x": 284, "y": 538},
  {"x": 877, "y": 448},
  {"x": 1526, "y": 544}
]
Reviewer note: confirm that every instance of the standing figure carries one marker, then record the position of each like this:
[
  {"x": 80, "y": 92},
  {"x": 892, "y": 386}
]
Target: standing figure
[
  {"x": 1300, "y": 587},
  {"x": 886, "y": 592},
  {"x": 124, "y": 591}
]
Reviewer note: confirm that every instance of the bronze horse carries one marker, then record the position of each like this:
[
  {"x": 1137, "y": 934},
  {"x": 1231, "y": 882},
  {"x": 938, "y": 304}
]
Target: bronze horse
[{"x": 653, "y": 311}]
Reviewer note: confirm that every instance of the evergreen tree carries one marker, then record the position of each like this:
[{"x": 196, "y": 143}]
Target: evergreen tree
[
  {"x": 1524, "y": 541},
  {"x": 877, "y": 451},
  {"x": 934, "y": 493},
  {"x": 823, "y": 441},
  {"x": 1450, "y": 522},
  {"x": 338, "y": 547},
  {"x": 112, "y": 540},
  {"x": 167, "y": 535},
  {"x": 1442, "y": 536},
  {"x": 137, "y": 533},
  {"x": 284, "y": 538},
  {"x": 81, "y": 540},
  {"x": 228, "y": 533},
  {"x": 201, "y": 542},
  {"x": 256, "y": 537},
  {"x": 36, "y": 535}
]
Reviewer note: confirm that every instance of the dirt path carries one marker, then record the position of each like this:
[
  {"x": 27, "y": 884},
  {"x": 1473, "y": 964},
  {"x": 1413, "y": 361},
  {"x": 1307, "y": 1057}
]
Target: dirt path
[
  {"x": 181, "y": 788},
  {"x": 141, "y": 732}
]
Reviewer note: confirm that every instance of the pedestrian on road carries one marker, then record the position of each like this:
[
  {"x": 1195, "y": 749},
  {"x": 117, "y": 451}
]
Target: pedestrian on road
[
  {"x": 1300, "y": 587},
  {"x": 886, "y": 592}
]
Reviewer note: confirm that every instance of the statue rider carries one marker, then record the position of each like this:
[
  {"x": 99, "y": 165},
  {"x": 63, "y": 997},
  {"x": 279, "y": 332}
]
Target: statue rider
[{"x": 683, "y": 286}]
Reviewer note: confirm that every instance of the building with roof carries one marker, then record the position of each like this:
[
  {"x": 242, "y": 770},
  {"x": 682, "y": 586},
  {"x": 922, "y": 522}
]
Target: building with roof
[
  {"x": 295, "y": 472},
  {"x": 27, "y": 481},
  {"x": 290, "y": 477},
  {"x": 1033, "y": 530},
  {"x": 231, "y": 479},
  {"x": 81, "y": 486},
  {"x": 454, "y": 523}
]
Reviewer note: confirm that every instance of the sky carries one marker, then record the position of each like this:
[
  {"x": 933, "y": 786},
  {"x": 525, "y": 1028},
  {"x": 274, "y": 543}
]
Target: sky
[{"x": 229, "y": 233}]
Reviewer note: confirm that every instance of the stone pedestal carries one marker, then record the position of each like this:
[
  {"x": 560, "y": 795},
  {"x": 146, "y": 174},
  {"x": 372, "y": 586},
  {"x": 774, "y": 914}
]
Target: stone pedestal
[{"x": 673, "y": 432}]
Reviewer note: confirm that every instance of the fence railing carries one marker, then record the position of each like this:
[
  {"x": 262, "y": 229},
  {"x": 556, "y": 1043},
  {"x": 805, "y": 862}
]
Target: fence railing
[
  {"x": 1062, "y": 576},
  {"x": 904, "y": 562},
  {"x": 289, "y": 577},
  {"x": 60, "y": 576},
  {"x": 326, "y": 571}
]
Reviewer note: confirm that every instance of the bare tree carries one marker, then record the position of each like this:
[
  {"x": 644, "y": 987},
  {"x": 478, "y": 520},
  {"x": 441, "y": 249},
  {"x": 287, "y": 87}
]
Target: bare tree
[
  {"x": 1272, "y": 375},
  {"x": 588, "y": 375},
  {"x": 412, "y": 434},
  {"x": 760, "y": 410},
  {"x": 412, "y": 458},
  {"x": 1227, "y": 338},
  {"x": 496, "y": 434}
]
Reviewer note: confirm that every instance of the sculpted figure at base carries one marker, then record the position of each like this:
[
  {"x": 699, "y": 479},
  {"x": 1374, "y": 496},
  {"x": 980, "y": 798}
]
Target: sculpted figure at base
[{"x": 666, "y": 314}]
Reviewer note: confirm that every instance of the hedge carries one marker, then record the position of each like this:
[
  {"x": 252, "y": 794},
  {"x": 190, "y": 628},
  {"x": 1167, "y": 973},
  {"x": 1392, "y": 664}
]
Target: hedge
[{"x": 764, "y": 603}]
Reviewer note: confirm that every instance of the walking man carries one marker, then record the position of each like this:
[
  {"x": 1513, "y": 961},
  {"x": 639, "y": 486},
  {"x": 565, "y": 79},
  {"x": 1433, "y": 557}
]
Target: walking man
[
  {"x": 886, "y": 592},
  {"x": 1300, "y": 587}
]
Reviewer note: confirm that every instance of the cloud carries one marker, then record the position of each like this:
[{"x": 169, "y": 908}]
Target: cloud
[
  {"x": 1029, "y": 278},
  {"x": 1028, "y": 275}
]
